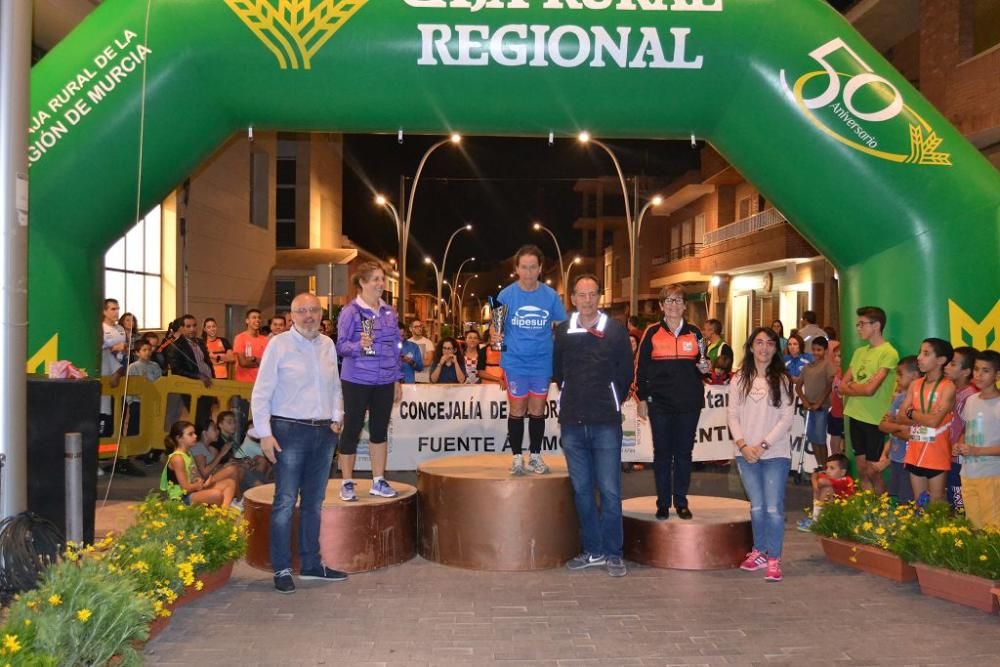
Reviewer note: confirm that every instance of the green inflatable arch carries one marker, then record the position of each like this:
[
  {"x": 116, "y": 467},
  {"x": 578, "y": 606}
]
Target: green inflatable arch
[{"x": 869, "y": 172}]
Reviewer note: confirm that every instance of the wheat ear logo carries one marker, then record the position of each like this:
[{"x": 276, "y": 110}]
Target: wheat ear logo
[
  {"x": 295, "y": 30},
  {"x": 965, "y": 330}
]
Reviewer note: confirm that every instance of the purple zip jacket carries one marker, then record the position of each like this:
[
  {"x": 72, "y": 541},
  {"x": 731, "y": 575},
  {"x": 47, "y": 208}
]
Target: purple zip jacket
[{"x": 383, "y": 368}]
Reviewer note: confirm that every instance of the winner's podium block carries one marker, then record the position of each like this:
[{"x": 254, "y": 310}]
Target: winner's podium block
[
  {"x": 475, "y": 514},
  {"x": 718, "y": 537},
  {"x": 354, "y": 537}
]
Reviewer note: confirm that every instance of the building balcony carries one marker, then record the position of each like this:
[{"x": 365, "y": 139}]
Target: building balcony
[
  {"x": 745, "y": 227},
  {"x": 759, "y": 239}
]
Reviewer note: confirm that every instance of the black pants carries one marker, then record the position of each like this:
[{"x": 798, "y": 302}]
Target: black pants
[
  {"x": 373, "y": 399},
  {"x": 673, "y": 442}
]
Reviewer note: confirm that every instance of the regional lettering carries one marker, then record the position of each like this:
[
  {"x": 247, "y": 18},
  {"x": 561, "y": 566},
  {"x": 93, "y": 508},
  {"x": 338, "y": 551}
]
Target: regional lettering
[
  {"x": 569, "y": 46},
  {"x": 622, "y": 5}
]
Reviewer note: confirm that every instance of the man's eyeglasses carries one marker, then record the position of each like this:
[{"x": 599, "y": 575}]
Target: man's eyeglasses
[{"x": 861, "y": 323}]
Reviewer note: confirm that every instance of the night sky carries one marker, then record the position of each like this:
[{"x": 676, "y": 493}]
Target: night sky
[{"x": 499, "y": 185}]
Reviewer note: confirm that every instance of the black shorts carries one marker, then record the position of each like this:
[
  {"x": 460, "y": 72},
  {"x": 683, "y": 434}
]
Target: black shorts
[
  {"x": 924, "y": 472},
  {"x": 374, "y": 399},
  {"x": 866, "y": 439},
  {"x": 835, "y": 426}
]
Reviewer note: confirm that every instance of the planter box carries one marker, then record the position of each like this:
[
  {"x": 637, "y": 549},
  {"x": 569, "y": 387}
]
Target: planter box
[
  {"x": 213, "y": 581},
  {"x": 868, "y": 559},
  {"x": 966, "y": 589}
]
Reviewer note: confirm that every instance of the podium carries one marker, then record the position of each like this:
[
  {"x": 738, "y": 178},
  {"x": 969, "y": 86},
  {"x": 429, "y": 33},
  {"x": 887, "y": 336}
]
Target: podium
[
  {"x": 360, "y": 536},
  {"x": 474, "y": 514}
]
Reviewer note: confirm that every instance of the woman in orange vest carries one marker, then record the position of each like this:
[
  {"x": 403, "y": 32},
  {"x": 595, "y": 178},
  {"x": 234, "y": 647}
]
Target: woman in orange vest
[
  {"x": 219, "y": 349},
  {"x": 928, "y": 411}
]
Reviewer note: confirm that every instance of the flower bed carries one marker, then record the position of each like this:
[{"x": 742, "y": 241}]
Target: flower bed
[
  {"x": 99, "y": 600},
  {"x": 952, "y": 560}
]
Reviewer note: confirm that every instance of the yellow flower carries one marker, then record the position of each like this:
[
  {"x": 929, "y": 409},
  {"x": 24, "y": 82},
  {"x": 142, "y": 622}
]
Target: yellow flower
[
  {"x": 84, "y": 615},
  {"x": 867, "y": 525},
  {"x": 853, "y": 559},
  {"x": 880, "y": 531},
  {"x": 27, "y": 621},
  {"x": 198, "y": 585},
  {"x": 982, "y": 557},
  {"x": 32, "y": 604},
  {"x": 55, "y": 600},
  {"x": 959, "y": 543},
  {"x": 11, "y": 643},
  {"x": 168, "y": 550}
]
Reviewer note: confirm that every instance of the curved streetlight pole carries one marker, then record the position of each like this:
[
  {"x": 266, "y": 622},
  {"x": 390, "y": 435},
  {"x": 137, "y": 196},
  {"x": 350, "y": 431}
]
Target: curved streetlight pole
[
  {"x": 403, "y": 224},
  {"x": 439, "y": 273},
  {"x": 585, "y": 138},
  {"x": 569, "y": 269},
  {"x": 540, "y": 227}
]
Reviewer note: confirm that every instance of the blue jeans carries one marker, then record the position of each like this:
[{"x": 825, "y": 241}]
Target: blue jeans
[
  {"x": 594, "y": 457},
  {"x": 673, "y": 443},
  {"x": 303, "y": 467},
  {"x": 765, "y": 483}
]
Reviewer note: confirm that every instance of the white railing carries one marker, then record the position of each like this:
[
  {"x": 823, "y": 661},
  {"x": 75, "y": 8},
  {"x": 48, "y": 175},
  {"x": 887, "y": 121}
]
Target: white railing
[{"x": 754, "y": 223}]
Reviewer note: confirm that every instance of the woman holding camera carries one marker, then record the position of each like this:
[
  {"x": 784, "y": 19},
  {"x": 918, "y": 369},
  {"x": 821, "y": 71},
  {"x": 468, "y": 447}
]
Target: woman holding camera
[{"x": 446, "y": 368}]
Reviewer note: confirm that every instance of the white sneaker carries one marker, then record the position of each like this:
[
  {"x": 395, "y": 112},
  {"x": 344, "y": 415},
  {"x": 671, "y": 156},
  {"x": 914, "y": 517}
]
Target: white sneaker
[
  {"x": 537, "y": 465},
  {"x": 517, "y": 467}
]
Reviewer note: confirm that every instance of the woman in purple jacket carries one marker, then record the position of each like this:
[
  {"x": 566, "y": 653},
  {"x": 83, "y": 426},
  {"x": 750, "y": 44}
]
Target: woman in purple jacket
[{"x": 368, "y": 341}]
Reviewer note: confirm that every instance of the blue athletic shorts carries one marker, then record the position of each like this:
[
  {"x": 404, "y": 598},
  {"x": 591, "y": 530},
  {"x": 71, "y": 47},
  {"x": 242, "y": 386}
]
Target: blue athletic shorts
[{"x": 520, "y": 386}]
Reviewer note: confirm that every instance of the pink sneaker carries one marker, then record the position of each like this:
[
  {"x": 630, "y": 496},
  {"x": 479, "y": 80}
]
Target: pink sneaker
[
  {"x": 754, "y": 561},
  {"x": 773, "y": 570}
]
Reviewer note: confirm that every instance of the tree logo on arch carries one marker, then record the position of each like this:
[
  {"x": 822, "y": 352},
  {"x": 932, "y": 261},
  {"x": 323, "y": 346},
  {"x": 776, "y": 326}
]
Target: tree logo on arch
[
  {"x": 295, "y": 30},
  {"x": 864, "y": 110}
]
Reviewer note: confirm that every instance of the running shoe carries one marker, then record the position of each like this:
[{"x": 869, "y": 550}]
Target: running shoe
[
  {"x": 754, "y": 561},
  {"x": 616, "y": 567},
  {"x": 773, "y": 570},
  {"x": 517, "y": 467},
  {"x": 283, "y": 582},
  {"x": 584, "y": 561},
  {"x": 381, "y": 488},
  {"x": 537, "y": 465},
  {"x": 347, "y": 492},
  {"x": 805, "y": 525},
  {"x": 323, "y": 573}
]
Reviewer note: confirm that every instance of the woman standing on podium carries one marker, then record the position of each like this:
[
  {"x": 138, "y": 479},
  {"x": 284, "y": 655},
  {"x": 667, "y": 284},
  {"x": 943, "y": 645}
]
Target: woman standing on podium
[
  {"x": 368, "y": 340},
  {"x": 668, "y": 384}
]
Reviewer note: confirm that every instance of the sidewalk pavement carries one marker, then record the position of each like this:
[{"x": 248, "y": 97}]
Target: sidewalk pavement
[{"x": 421, "y": 614}]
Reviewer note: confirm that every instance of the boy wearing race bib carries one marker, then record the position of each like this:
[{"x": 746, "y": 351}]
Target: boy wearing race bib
[{"x": 927, "y": 410}]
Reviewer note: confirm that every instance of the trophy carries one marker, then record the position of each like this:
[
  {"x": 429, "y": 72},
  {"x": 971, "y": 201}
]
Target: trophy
[
  {"x": 498, "y": 319},
  {"x": 703, "y": 364},
  {"x": 368, "y": 328}
]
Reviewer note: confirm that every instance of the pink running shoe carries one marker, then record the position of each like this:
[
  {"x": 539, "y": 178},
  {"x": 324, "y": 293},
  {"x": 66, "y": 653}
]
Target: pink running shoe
[
  {"x": 773, "y": 570},
  {"x": 755, "y": 560}
]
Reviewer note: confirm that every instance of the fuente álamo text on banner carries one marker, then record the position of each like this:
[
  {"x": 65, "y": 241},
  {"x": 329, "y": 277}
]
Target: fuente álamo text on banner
[{"x": 449, "y": 420}]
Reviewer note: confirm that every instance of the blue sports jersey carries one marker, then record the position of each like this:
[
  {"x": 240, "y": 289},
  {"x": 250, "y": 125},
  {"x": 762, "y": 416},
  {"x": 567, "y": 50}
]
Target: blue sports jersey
[{"x": 528, "y": 330}]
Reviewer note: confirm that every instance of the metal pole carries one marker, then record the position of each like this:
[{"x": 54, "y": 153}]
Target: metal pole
[
  {"x": 74, "y": 487},
  {"x": 15, "y": 67},
  {"x": 633, "y": 297},
  {"x": 403, "y": 229}
]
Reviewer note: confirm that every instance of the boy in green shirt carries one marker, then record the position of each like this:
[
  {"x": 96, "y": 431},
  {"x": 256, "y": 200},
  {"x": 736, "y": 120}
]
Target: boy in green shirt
[{"x": 867, "y": 394}]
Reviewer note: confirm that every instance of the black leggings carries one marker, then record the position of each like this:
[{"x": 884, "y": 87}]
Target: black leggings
[{"x": 376, "y": 400}]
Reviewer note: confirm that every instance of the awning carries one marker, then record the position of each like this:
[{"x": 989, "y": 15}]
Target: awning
[{"x": 307, "y": 259}]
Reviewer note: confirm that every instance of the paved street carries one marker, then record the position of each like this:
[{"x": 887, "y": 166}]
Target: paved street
[{"x": 421, "y": 613}]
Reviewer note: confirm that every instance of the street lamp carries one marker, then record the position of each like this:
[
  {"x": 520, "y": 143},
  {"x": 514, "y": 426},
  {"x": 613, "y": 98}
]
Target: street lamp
[
  {"x": 539, "y": 227},
  {"x": 565, "y": 277},
  {"x": 439, "y": 273},
  {"x": 632, "y": 225},
  {"x": 403, "y": 224}
]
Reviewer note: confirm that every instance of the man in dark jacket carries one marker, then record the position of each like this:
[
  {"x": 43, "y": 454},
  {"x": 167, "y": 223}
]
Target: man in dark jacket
[
  {"x": 187, "y": 355},
  {"x": 592, "y": 364}
]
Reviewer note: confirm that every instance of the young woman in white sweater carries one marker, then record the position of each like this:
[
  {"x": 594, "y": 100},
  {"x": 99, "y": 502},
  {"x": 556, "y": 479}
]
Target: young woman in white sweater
[{"x": 761, "y": 405}]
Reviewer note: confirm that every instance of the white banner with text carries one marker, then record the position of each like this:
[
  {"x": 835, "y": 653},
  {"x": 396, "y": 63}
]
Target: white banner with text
[{"x": 448, "y": 420}]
